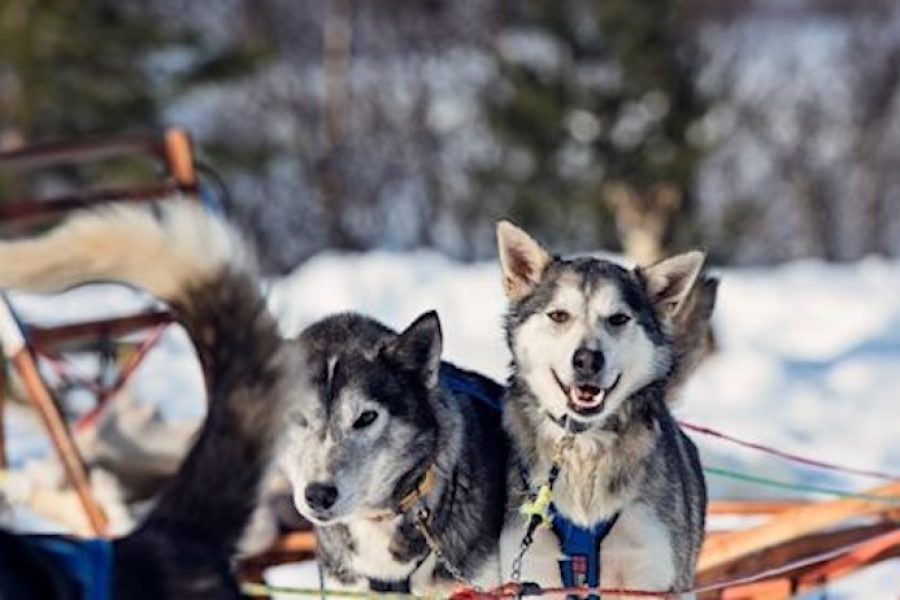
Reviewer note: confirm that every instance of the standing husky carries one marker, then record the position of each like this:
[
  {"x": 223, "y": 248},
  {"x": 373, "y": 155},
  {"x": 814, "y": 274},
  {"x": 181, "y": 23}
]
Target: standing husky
[
  {"x": 593, "y": 361},
  {"x": 388, "y": 432},
  {"x": 184, "y": 548}
]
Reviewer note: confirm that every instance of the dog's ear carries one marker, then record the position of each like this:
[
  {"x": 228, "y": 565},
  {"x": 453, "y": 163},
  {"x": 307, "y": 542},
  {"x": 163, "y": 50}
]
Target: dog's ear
[
  {"x": 418, "y": 347},
  {"x": 669, "y": 281},
  {"x": 522, "y": 260}
]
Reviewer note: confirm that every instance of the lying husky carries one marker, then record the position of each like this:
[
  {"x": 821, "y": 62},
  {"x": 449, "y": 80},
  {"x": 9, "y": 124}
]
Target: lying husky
[
  {"x": 185, "y": 547},
  {"x": 390, "y": 431},
  {"x": 593, "y": 363}
]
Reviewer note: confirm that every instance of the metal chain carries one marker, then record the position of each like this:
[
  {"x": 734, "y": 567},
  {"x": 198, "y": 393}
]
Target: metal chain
[
  {"x": 565, "y": 443},
  {"x": 422, "y": 516}
]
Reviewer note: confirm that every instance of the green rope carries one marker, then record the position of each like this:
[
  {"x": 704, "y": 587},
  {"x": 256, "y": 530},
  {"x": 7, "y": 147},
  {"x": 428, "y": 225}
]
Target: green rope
[
  {"x": 891, "y": 500},
  {"x": 261, "y": 590}
]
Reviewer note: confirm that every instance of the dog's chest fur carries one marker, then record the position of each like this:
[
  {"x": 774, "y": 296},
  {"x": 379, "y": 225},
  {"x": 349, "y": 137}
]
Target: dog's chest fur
[
  {"x": 382, "y": 550},
  {"x": 599, "y": 474}
]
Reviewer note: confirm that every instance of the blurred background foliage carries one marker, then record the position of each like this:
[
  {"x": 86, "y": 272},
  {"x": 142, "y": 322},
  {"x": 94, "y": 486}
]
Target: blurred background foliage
[{"x": 763, "y": 130}]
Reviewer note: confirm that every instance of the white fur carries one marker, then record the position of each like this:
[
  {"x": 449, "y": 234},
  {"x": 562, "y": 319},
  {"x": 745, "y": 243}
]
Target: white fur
[
  {"x": 522, "y": 259},
  {"x": 373, "y": 556},
  {"x": 540, "y": 562},
  {"x": 637, "y": 554},
  {"x": 309, "y": 451},
  {"x": 543, "y": 347},
  {"x": 186, "y": 245}
]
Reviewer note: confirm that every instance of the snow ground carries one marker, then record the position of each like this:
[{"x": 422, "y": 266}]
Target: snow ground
[{"x": 809, "y": 358}]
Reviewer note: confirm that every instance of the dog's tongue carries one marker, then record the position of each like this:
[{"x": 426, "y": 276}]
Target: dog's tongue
[{"x": 587, "y": 396}]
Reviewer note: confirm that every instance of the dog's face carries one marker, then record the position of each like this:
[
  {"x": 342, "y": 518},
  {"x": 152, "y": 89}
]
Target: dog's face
[
  {"x": 369, "y": 432},
  {"x": 586, "y": 333}
]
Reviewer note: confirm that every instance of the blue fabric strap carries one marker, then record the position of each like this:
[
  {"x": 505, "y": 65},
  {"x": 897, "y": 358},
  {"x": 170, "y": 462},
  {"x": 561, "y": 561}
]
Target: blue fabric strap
[
  {"x": 88, "y": 563},
  {"x": 581, "y": 549},
  {"x": 477, "y": 386}
]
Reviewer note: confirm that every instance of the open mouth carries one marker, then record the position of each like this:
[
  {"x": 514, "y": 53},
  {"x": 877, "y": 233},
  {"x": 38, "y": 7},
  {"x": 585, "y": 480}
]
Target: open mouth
[{"x": 585, "y": 399}]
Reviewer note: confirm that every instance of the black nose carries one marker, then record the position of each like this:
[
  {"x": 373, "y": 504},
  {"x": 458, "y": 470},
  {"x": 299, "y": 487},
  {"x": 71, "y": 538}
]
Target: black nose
[
  {"x": 587, "y": 363},
  {"x": 321, "y": 496}
]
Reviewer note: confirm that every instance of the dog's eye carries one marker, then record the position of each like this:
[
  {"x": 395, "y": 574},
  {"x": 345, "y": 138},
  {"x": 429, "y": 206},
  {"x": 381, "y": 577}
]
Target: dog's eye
[
  {"x": 618, "y": 319},
  {"x": 365, "y": 419},
  {"x": 559, "y": 316}
]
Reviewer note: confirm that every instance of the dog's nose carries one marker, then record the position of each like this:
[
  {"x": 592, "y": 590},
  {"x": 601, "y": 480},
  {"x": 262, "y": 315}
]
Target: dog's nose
[
  {"x": 321, "y": 496},
  {"x": 587, "y": 363}
]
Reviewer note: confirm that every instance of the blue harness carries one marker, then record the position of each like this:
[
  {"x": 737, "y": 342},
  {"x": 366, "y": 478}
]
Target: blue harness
[
  {"x": 581, "y": 547},
  {"x": 87, "y": 563},
  {"x": 485, "y": 390}
]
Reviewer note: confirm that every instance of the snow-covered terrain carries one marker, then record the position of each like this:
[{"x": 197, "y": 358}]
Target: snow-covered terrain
[{"x": 808, "y": 361}]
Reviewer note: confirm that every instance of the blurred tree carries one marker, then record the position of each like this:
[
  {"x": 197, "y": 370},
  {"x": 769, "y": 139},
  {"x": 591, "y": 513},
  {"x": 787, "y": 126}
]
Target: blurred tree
[
  {"x": 595, "y": 108},
  {"x": 101, "y": 66}
]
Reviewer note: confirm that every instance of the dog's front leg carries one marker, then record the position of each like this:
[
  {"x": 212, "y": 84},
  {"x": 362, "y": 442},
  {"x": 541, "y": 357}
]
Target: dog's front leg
[
  {"x": 541, "y": 562},
  {"x": 638, "y": 554}
]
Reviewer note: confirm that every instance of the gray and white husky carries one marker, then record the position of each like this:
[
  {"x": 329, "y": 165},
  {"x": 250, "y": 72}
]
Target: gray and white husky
[
  {"x": 388, "y": 431},
  {"x": 594, "y": 358}
]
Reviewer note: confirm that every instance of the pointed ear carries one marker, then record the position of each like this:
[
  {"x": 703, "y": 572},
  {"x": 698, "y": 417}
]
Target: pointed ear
[
  {"x": 418, "y": 347},
  {"x": 522, "y": 260},
  {"x": 669, "y": 281}
]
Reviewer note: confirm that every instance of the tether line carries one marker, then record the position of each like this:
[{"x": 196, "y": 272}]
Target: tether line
[{"x": 785, "y": 485}]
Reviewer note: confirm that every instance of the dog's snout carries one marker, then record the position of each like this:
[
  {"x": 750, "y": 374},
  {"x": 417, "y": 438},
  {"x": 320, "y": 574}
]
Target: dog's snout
[
  {"x": 321, "y": 496},
  {"x": 587, "y": 363}
]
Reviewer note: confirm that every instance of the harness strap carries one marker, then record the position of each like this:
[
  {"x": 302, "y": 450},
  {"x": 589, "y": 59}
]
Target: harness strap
[
  {"x": 581, "y": 549},
  {"x": 485, "y": 390}
]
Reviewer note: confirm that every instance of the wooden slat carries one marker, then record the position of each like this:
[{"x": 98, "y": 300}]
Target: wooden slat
[
  {"x": 772, "y": 589},
  {"x": 791, "y": 524},
  {"x": 291, "y": 547},
  {"x": 790, "y": 551},
  {"x": 75, "y": 334},
  {"x": 48, "y": 154},
  {"x": 61, "y": 438},
  {"x": 32, "y": 209},
  {"x": 752, "y": 507},
  {"x": 180, "y": 159},
  {"x": 296, "y": 541},
  {"x": 880, "y": 548}
]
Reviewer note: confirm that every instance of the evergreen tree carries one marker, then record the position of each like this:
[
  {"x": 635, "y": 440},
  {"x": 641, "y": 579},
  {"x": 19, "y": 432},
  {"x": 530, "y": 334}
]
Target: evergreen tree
[
  {"x": 70, "y": 69},
  {"x": 595, "y": 108}
]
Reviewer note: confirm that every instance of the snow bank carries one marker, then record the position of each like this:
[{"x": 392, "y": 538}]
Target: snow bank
[{"x": 809, "y": 357}]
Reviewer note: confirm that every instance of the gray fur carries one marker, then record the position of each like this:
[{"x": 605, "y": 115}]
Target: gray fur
[
  {"x": 186, "y": 545},
  {"x": 629, "y": 457},
  {"x": 362, "y": 365}
]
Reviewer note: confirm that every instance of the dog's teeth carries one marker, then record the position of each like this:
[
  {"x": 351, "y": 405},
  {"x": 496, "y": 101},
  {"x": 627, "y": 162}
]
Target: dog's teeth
[{"x": 587, "y": 400}]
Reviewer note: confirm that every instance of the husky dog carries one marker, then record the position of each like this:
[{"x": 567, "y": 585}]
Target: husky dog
[
  {"x": 594, "y": 362},
  {"x": 185, "y": 547},
  {"x": 389, "y": 431}
]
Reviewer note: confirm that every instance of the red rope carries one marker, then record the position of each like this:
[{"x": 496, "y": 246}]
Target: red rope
[
  {"x": 789, "y": 455},
  {"x": 65, "y": 372},
  {"x": 105, "y": 395}
]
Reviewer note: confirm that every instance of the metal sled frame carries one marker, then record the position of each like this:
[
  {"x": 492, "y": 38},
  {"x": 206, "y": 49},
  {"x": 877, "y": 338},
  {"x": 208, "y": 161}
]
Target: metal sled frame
[{"x": 172, "y": 150}]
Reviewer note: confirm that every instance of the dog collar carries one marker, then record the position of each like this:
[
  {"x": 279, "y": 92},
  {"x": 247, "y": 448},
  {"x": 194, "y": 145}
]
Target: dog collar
[
  {"x": 566, "y": 424},
  {"x": 424, "y": 485}
]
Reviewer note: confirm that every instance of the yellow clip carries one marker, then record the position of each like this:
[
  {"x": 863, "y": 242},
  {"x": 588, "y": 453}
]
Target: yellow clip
[{"x": 540, "y": 506}]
